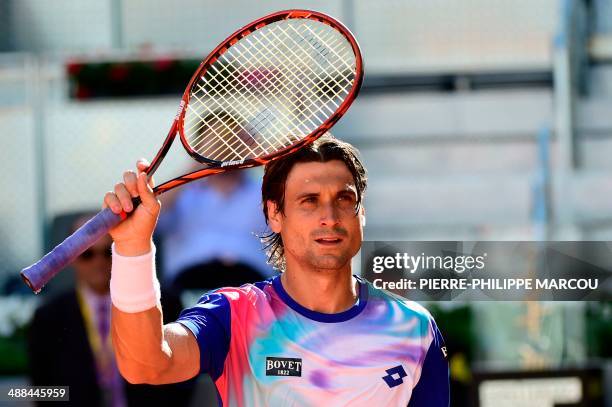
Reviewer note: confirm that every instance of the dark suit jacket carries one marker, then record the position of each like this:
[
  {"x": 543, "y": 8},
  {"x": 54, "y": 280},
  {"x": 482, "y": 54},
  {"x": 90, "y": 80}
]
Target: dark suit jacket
[{"x": 60, "y": 355}]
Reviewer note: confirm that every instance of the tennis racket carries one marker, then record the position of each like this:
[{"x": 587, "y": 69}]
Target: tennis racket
[{"x": 270, "y": 88}]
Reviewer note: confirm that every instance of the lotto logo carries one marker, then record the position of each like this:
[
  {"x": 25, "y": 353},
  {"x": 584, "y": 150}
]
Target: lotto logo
[{"x": 395, "y": 376}]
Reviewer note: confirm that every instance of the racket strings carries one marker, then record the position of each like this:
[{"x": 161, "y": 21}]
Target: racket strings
[
  {"x": 301, "y": 86},
  {"x": 346, "y": 75},
  {"x": 318, "y": 50},
  {"x": 319, "y": 44},
  {"x": 270, "y": 89},
  {"x": 297, "y": 71},
  {"x": 223, "y": 103},
  {"x": 293, "y": 97},
  {"x": 256, "y": 126},
  {"x": 255, "y": 98},
  {"x": 312, "y": 102},
  {"x": 202, "y": 143},
  {"x": 229, "y": 143},
  {"x": 273, "y": 94},
  {"x": 341, "y": 59}
]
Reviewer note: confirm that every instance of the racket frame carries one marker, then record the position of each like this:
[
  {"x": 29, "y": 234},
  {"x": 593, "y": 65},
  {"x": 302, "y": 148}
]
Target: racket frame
[{"x": 214, "y": 166}]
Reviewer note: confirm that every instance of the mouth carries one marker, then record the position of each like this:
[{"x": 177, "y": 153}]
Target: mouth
[{"x": 328, "y": 241}]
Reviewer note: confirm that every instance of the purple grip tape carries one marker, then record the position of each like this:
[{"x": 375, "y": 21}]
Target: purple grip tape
[{"x": 38, "y": 274}]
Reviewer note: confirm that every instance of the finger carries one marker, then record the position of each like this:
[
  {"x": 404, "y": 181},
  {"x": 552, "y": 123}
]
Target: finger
[
  {"x": 146, "y": 195},
  {"x": 111, "y": 201},
  {"x": 124, "y": 197},
  {"x": 130, "y": 181},
  {"x": 143, "y": 165}
]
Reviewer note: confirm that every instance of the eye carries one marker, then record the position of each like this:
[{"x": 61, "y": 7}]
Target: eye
[
  {"x": 309, "y": 200},
  {"x": 346, "y": 201}
]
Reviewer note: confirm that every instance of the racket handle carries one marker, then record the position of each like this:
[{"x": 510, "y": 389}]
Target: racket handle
[{"x": 38, "y": 274}]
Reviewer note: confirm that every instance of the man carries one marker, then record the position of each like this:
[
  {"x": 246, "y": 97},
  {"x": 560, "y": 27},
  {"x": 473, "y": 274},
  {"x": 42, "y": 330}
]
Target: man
[
  {"x": 77, "y": 352},
  {"x": 69, "y": 340},
  {"x": 315, "y": 335}
]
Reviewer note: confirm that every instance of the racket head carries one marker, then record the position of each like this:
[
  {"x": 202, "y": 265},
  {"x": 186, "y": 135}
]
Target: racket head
[{"x": 269, "y": 88}]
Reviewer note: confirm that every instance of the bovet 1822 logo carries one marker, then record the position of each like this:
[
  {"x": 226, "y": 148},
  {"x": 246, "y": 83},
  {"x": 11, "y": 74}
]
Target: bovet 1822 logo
[{"x": 283, "y": 366}]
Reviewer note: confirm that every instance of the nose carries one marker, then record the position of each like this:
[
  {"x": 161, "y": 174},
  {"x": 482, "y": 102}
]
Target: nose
[{"x": 329, "y": 215}]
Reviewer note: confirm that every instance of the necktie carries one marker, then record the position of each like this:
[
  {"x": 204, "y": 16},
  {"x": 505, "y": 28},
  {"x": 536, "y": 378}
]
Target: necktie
[
  {"x": 110, "y": 379},
  {"x": 103, "y": 317}
]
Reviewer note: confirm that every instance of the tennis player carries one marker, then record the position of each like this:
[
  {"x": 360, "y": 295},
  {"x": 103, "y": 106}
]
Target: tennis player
[{"x": 313, "y": 335}]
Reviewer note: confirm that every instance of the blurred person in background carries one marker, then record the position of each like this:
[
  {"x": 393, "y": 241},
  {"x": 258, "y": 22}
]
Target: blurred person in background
[
  {"x": 69, "y": 341},
  {"x": 208, "y": 228},
  {"x": 208, "y": 233}
]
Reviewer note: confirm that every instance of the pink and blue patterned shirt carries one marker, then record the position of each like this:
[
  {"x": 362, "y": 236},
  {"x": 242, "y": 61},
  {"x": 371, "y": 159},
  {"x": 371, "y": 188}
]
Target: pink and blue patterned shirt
[{"x": 262, "y": 348}]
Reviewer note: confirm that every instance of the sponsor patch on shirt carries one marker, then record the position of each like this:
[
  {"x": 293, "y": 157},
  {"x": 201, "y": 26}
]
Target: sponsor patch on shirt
[{"x": 283, "y": 366}]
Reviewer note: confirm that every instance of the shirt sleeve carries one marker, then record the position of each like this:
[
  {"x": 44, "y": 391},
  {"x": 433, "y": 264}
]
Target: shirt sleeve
[
  {"x": 433, "y": 389},
  {"x": 209, "y": 321}
]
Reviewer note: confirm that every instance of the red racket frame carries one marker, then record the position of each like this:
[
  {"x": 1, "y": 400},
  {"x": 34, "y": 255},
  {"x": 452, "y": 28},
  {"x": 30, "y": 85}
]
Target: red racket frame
[{"x": 215, "y": 167}]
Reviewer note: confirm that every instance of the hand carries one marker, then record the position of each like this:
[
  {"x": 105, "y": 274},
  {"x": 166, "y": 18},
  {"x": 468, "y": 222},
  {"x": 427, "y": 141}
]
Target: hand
[{"x": 133, "y": 236}]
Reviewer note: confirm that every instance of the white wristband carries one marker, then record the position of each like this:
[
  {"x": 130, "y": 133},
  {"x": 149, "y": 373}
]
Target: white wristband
[{"x": 134, "y": 286}]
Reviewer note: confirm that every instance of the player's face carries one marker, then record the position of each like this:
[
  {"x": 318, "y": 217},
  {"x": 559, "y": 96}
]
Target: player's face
[{"x": 320, "y": 227}]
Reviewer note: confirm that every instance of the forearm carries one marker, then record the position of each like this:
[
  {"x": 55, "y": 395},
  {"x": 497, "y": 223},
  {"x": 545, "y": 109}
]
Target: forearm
[
  {"x": 137, "y": 327},
  {"x": 147, "y": 351},
  {"x": 138, "y": 340}
]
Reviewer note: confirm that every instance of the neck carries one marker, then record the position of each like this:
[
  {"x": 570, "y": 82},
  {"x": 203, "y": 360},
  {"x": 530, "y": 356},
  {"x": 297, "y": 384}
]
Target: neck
[{"x": 321, "y": 291}]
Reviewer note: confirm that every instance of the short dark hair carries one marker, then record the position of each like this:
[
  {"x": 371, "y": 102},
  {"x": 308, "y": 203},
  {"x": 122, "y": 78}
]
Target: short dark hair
[{"x": 324, "y": 149}]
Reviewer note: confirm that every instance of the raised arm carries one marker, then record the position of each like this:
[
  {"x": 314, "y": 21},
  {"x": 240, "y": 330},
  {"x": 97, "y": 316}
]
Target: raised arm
[{"x": 146, "y": 350}]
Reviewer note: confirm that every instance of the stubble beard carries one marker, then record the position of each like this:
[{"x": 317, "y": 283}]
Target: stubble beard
[{"x": 327, "y": 262}]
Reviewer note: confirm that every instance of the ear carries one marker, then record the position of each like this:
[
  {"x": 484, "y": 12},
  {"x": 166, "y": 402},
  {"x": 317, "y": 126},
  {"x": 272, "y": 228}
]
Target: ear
[
  {"x": 275, "y": 218},
  {"x": 362, "y": 217}
]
